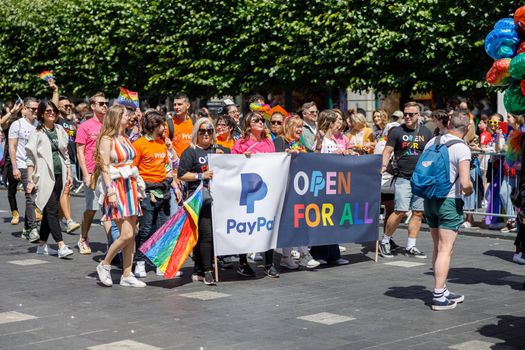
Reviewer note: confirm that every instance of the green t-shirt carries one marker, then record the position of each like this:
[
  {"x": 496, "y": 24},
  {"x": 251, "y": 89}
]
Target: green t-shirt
[{"x": 53, "y": 138}]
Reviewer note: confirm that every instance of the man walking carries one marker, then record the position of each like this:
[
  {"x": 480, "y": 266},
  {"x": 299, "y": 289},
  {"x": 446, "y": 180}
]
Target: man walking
[
  {"x": 406, "y": 143},
  {"x": 17, "y": 139},
  {"x": 445, "y": 215},
  {"x": 86, "y": 140}
]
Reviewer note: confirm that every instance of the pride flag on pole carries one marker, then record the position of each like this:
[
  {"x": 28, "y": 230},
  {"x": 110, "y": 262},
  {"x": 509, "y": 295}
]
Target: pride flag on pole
[
  {"x": 173, "y": 242},
  {"x": 46, "y": 75},
  {"x": 128, "y": 98}
]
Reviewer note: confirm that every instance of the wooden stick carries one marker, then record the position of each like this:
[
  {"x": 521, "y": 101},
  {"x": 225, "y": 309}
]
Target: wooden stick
[
  {"x": 216, "y": 268},
  {"x": 377, "y": 250}
]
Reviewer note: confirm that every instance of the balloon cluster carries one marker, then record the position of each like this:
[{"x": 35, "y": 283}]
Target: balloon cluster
[{"x": 506, "y": 45}]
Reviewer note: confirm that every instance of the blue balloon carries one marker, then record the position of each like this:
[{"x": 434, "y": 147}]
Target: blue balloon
[{"x": 503, "y": 40}]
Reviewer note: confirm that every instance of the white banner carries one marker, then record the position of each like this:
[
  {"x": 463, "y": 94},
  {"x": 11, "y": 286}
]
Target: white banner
[{"x": 247, "y": 201}]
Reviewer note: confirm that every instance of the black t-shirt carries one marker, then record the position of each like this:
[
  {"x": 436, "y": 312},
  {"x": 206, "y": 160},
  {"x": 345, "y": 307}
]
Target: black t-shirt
[
  {"x": 408, "y": 145},
  {"x": 280, "y": 144},
  {"x": 195, "y": 160},
  {"x": 71, "y": 131}
]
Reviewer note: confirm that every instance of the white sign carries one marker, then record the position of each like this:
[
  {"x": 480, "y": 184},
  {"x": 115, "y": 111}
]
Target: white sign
[{"x": 247, "y": 201}]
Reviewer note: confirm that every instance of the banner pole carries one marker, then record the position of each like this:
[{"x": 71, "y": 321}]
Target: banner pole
[
  {"x": 377, "y": 250},
  {"x": 216, "y": 268}
]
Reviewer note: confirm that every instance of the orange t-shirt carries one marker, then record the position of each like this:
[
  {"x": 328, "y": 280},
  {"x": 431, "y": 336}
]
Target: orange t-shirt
[
  {"x": 151, "y": 159},
  {"x": 181, "y": 134}
]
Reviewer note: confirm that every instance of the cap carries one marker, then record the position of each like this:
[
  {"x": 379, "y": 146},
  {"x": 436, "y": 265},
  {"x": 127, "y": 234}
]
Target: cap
[{"x": 397, "y": 115}]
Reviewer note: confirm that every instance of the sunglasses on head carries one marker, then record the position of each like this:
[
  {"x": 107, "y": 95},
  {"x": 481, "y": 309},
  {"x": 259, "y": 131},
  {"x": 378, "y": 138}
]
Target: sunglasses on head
[
  {"x": 257, "y": 120},
  {"x": 206, "y": 131},
  {"x": 276, "y": 122}
]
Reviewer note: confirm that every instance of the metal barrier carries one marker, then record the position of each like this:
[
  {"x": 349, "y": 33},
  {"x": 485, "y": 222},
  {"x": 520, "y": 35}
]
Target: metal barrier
[{"x": 493, "y": 183}]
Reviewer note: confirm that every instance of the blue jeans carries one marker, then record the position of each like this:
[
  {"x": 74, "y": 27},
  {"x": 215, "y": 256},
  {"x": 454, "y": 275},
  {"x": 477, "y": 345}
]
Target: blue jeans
[
  {"x": 508, "y": 184},
  {"x": 154, "y": 215}
]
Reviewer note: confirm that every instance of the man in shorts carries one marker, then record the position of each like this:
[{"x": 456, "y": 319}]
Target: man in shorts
[
  {"x": 445, "y": 215},
  {"x": 86, "y": 140}
]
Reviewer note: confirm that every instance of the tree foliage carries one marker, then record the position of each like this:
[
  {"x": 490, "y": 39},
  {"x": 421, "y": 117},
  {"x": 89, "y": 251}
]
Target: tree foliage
[{"x": 222, "y": 46}]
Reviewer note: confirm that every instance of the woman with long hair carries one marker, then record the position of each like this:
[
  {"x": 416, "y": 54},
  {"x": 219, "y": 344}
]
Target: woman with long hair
[
  {"x": 49, "y": 172},
  {"x": 380, "y": 119},
  {"x": 117, "y": 183},
  {"x": 255, "y": 140},
  {"x": 193, "y": 169}
]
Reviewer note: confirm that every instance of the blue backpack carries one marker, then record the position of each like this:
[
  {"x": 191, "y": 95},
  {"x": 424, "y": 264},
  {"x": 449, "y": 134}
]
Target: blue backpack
[{"x": 431, "y": 177}]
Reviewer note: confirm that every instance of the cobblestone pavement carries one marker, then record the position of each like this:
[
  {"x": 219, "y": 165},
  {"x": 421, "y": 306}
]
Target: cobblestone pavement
[{"x": 48, "y": 303}]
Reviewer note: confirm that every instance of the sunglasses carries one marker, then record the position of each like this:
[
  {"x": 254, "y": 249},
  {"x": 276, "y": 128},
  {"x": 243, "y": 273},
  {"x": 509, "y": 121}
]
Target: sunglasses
[
  {"x": 493, "y": 122},
  {"x": 33, "y": 110},
  {"x": 276, "y": 122},
  {"x": 257, "y": 120},
  {"x": 68, "y": 106},
  {"x": 101, "y": 104},
  {"x": 205, "y": 131},
  {"x": 411, "y": 115},
  {"x": 49, "y": 111}
]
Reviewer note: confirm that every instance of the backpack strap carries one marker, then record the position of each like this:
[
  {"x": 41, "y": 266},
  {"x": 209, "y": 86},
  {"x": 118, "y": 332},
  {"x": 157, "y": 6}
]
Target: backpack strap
[
  {"x": 171, "y": 128},
  {"x": 453, "y": 142}
]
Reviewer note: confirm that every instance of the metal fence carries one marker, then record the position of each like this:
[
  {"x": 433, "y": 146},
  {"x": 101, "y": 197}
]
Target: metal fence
[{"x": 493, "y": 180}]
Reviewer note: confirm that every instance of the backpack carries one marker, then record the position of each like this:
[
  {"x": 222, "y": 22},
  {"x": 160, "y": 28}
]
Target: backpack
[{"x": 431, "y": 177}]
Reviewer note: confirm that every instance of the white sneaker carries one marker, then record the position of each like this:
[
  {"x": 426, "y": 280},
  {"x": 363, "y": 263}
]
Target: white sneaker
[
  {"x": 341, "y": 261},
  {"x": 140, "y": 269},
  {"x": 64, "y": 251},
  {"x": 518, "y": 258},
  {"x": 158, "y": 272},
  {"x": 466, "y": 224},
  {"x": 34, "y": 236},
  {"x": 295, "y": 254},
  {"x": 256, "y": 256},
  {"x": 289, "y": 263},
  {"x": 131, "y": 281},
  {"x": 179, "y": 274},
  {"x": 342, "y": 249},
  {"x": 72, "y": 226},
  {"x": 309, "y": 262},
  {"x": 44, "y": 249},
  {"x": 104, "y": 274}
]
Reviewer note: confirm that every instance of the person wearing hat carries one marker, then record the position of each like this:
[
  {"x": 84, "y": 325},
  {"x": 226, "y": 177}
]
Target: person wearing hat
[{"x": 396, "y": 116}]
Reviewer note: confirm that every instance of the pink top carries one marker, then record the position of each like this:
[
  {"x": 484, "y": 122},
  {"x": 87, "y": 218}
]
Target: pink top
[
  {"x": 264, "y": 146},
  {"x": 342, "y": 141},
  {"x": 87, "y": 134}
]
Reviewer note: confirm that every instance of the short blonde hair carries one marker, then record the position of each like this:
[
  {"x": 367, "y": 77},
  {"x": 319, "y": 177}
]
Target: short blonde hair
[
  {"x": 290, "y": 124},
  {"x": 360, "y": 119},
  {"x": 195, "y": 131}
]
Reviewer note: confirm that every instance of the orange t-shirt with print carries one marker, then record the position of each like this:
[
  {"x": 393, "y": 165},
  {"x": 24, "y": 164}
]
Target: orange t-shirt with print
[
  {"x": 151, "y": 159},
  {"x": 181, "y": 134}
]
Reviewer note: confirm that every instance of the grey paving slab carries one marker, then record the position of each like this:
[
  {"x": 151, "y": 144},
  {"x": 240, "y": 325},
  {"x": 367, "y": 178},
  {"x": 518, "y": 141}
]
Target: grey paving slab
[{"x": 389, "y": 304}]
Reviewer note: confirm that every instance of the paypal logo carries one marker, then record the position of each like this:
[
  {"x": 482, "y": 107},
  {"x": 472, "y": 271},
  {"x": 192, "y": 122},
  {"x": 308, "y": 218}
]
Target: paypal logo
[{"x": 253, "y": 189}]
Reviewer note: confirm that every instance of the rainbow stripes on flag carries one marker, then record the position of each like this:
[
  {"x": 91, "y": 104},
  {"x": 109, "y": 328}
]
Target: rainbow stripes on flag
[
  {"x": 46, "y": 75},
  {"x": 173, "y": 242},
  {"x": 128, "y": 98}
]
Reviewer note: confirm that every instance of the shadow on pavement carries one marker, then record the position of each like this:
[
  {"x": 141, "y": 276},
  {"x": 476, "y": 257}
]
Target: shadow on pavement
[
  {"x": 412, "y": 292},
  {"x": 509, "y": 329},
  {"x": 471, "y": 275},
  {"x": 501, "y": 254}
]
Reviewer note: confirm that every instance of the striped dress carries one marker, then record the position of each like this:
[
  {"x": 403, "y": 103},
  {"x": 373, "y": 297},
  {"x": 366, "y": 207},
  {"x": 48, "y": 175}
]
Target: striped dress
[{"x": 122, "y": 154}]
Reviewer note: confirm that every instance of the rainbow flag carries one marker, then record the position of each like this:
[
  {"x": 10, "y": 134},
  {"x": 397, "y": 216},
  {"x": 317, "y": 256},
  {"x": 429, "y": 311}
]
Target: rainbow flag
[
  {"x": 46, "y": 75},
  {"x": 128, "y": 98},
  {"x": 173, "y": 242}
]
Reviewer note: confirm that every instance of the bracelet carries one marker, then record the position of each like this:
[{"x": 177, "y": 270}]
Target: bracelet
[{"x": 200, "y": 176}]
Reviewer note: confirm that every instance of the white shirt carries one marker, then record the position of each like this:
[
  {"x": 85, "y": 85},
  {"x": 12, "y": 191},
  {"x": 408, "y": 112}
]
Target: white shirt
[
  {"x": 328, "y": 146},
  {"x": 456, "y": 154},
  {"x": 20, "y": 130}
]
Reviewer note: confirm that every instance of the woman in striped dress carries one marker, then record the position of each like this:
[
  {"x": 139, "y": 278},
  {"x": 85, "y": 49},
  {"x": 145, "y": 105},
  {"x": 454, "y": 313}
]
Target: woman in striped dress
[{"x": 117, "y": 184}]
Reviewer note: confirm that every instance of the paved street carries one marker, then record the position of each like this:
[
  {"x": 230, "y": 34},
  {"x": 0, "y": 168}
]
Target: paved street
[{"x": 48, "y": 303}]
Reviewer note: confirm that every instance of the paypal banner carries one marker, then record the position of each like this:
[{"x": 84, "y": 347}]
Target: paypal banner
[
  {"x": 331, "y": 199},
  {"x": 248, "y": 195}
]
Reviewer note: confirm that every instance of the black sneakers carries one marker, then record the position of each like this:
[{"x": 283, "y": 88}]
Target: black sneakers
[
  {"x": 271, "y": 271},
  {"x": 443, "y": 305},
  {"x": 384, "y": 250},
  {"x": 208, "y": 278},
  {"x": 415, "y": 253},
  {"x": 396, "y": 248},
  {"x": 245, "y": 270}
]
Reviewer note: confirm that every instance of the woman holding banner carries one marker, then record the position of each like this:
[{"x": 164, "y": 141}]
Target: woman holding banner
[
  {"x": 193, "y": 169},
  {"x": 329, "y": 123},
  {"x": 290, "y": 142},
  {"x": 254, "y": 140}
]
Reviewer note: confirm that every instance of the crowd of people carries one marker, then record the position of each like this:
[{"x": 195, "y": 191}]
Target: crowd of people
[{"x": 135, "y": 167}]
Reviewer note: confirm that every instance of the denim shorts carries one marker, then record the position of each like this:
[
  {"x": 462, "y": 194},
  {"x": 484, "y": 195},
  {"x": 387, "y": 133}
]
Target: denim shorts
[
  {"x": 91, "y": 199},
  {"x": 404, "y": 199}
]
